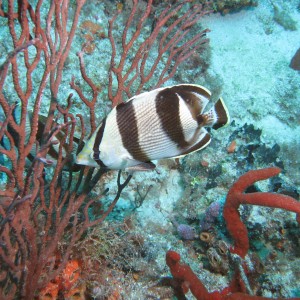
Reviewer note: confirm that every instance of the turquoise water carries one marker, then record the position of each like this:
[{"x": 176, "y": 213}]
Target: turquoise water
[{"x": 247, "y": 63}]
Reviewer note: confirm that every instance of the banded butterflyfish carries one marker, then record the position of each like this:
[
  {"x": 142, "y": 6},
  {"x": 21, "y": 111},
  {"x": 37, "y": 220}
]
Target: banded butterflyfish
[{"x": 166, "y": 122}]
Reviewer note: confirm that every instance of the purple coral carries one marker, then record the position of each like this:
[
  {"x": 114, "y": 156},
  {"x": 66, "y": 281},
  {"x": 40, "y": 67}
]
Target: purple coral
[
  {"x": 211, "y": 215},
  {"x": 186, "y": 232}
]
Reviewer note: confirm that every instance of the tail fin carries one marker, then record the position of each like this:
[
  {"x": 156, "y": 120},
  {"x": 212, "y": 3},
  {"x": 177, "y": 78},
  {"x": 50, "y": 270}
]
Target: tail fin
[{"x": 218, "y": 115}]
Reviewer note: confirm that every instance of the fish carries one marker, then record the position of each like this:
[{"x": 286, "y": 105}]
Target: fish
[
  {"x": 167, "y": 122},
  {"x": 295, "y": 61}
]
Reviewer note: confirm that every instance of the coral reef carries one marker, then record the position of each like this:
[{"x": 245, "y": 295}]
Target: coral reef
[
  {"x": 283, "y": 18},
  {"x": 68, "y": 284},
  {"x": 227, "y": 6},
  {"x": 124, "y": 257},
  {"x": 48, "y": 204},
  {"x": 239, "y": 288}
]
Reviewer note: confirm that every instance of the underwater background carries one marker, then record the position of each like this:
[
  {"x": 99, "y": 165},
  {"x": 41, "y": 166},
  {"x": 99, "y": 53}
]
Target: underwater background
[{"x": 248, "y": 63}]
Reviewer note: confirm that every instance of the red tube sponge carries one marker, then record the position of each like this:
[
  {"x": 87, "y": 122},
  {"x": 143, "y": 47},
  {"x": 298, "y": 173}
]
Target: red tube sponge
[
  {"x": 189, "y": 280},
  {"x": 236, "y": 197}
]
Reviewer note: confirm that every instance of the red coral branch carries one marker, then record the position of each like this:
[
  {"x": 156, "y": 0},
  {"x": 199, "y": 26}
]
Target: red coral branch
[
  {"x": 189, "y": 281},
  {"x": 95, "y": 91},
  {"x": 236, "y": 197},
  {"x": 188, "y": 278},
  {"x": 168, "y": 41}
]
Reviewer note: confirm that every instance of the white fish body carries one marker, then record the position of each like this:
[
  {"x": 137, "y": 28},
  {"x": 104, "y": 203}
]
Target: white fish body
[{"x": 164, "y": 123}]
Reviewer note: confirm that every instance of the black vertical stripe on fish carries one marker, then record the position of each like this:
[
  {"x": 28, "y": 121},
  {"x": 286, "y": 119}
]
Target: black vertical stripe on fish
[
  {"x": 192, "y": 96},
  {"x": 98, "y": 139},
  {"x": 222, "y": 115},
  {"x": 167, "y": 109},
  {"x": 127, "y": 125},
  {"x": 204, "y": 140}
]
